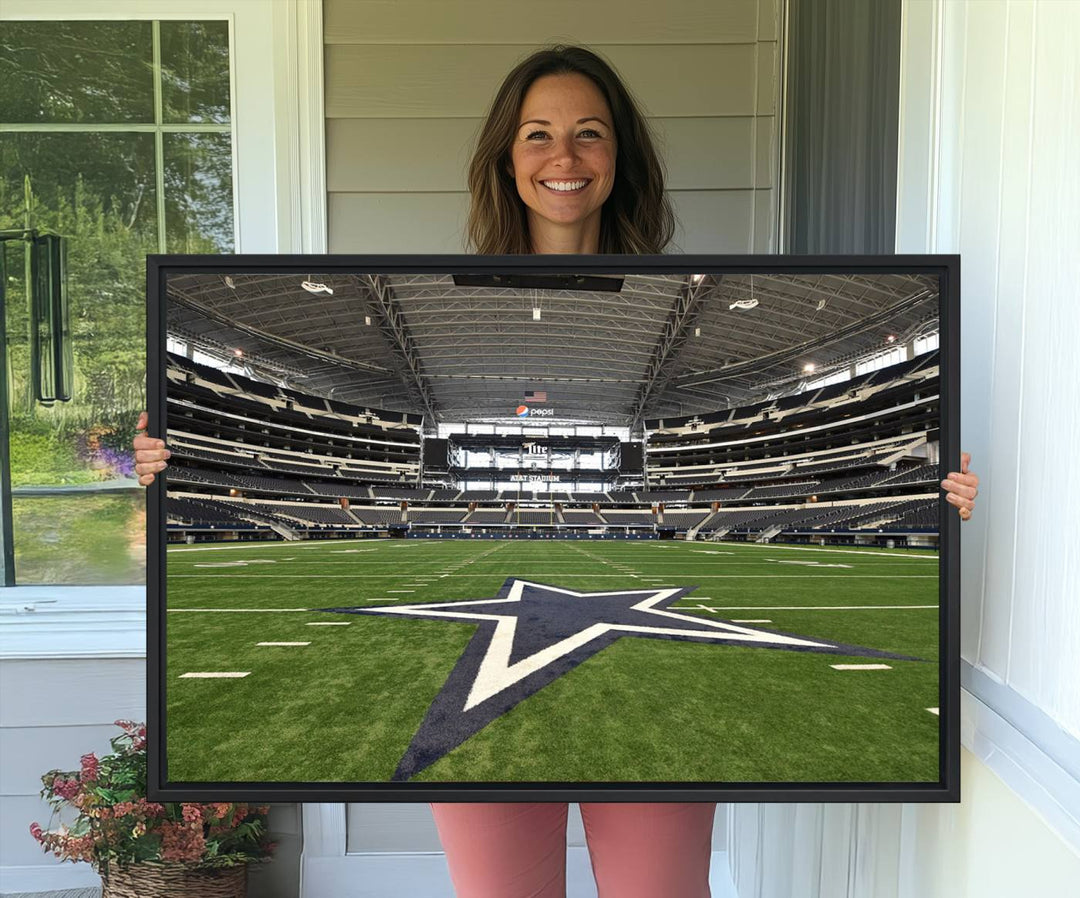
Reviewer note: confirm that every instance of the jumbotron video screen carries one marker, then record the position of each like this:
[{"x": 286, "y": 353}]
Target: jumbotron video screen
[{"x": 593, "y": 528}]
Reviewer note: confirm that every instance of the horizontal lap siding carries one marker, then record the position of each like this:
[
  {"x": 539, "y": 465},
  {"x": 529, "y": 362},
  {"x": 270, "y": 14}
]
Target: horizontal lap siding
[
  {"x": 408, "y": 83},
  {"x": 525, "y": 23},
  {"x": 55, "y": 711},
  {"x": 708, "y": 221},
  {"x": 460, "y": 80},
  {"x": 422, "y": 155}
]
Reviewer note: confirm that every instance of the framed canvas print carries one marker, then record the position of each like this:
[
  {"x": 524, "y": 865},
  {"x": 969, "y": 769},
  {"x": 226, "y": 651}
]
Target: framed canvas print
[{"x": 467, "y": 528}]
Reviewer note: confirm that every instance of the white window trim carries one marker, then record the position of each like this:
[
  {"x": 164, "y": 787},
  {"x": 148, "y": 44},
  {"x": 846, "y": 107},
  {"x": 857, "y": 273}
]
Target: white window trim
[{"x": 280, "y": 203}]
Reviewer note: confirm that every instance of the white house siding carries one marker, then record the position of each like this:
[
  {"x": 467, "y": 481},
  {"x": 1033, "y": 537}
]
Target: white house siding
[{"x": 408, "y": 82}]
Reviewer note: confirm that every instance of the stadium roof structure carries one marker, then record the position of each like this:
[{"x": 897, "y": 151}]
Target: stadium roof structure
[{"x": 643, "y": 346}]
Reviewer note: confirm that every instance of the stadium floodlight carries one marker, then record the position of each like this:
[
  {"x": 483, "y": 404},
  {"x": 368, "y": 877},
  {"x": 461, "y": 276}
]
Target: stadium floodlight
[
  {"x": 750, "y": 303},
  {"x": 316, "y": 288},
  {"x": 536, "y": 313}
]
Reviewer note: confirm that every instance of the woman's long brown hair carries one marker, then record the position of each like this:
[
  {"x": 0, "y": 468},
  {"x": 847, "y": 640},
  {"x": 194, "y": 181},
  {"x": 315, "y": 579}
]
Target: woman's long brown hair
[{"x": 637, "y": 216}]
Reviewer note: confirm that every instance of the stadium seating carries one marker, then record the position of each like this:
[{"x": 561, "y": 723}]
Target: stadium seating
[
  {"x": 250, "y": 456},
  {"x": 580, "y": 518},
  {"x": 683, "y": 520},
  {"x": 435, "y": 515},
  {"x": 486, "y": 517}
]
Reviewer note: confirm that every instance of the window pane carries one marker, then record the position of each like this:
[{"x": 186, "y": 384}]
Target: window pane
[
  {"x": 198, "y": 193},
  {"x": 78, "y": 513},
  {"x": 80, "y": 539},
  {"x": 107, "y": 177},
  {"x": 97, "y": 190},
  {"x": 76, "y": 72},
  {"x": 195, "y": 71}
]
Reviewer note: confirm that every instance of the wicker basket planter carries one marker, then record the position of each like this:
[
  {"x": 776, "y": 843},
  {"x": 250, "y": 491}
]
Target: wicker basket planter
[{"x": 150, "y": 880}]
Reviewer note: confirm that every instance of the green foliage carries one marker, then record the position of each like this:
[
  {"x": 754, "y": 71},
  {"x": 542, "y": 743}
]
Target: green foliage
[{"x": 41, "y": 458}]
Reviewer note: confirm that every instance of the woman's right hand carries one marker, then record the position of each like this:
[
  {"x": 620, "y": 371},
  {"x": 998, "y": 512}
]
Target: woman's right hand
[{"x": 150, "y": 453}]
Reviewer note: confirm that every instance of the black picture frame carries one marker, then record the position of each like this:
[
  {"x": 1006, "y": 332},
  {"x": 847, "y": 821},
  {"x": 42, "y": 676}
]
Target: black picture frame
[{"x": 946, "y": 789}]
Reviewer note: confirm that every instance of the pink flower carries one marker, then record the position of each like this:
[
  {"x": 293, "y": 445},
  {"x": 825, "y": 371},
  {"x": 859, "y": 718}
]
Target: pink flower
[
  {"x": 36, "y": 831},
  {"x": 123, "y": 808},
  {"x": 181, "y": 842},
  {"x": 66, "y": 789},
  {"x": 146, "y": 808},
  {"x": 192, "y": 813},
  {"x": 220, "y": 809},
  {"x": 89, "y": 768}
]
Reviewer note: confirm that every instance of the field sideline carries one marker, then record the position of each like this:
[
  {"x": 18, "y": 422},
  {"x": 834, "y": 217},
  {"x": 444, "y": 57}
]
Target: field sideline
[{"x": 339, "y": 697}]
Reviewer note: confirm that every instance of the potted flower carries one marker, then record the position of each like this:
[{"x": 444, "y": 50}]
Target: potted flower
[{"x": 142, "y": 848}]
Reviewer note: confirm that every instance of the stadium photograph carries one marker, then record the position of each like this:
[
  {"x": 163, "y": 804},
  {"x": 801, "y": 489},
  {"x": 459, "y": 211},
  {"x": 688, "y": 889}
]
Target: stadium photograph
[{"x": 523, "y": 528}]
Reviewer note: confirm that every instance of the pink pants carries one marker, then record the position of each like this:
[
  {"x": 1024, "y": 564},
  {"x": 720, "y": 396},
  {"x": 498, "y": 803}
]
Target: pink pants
[{"x": 519, "y": 850}]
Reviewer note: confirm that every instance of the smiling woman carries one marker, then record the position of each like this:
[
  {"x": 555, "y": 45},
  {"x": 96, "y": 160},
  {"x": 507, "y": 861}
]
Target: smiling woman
[
  {"x": 563, "y": 162},
  {"x": 560, "y": 118}
]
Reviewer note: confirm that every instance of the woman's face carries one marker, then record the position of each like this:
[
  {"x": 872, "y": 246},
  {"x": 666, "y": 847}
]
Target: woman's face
[{"x": 563, "y": 154}]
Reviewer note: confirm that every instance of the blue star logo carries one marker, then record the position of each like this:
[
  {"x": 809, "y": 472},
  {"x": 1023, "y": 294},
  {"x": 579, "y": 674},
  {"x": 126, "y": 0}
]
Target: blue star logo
[{"x": 531, "y": 634}]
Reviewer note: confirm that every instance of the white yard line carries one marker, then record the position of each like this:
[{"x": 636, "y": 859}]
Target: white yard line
[
  {"x": 251, "y": 547},
  {"x": 836, "y": 551},
  {"x": 808, "y": 576},
  {"x": 811, "y": 607},
  {"x": 860, "y": 667},
  {"x": 322, "y": 562},
  {"x": 239, "y": 610},
  {"x": 282, "y": 643},
  {"x": 231, "y": 574},
  {"x": 549, "y": 565},
  {"x": 206, "y": 675}
]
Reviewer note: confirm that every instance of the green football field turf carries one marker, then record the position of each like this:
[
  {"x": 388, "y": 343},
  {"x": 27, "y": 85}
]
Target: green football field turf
[{"x": 345, "y": 707}]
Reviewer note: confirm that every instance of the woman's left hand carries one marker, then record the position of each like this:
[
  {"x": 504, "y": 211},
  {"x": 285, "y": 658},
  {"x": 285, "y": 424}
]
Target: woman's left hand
[{"x": 962, "y": 487}]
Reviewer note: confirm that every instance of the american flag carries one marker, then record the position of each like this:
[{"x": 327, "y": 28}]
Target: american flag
[{"x": 536, "y": 396}]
